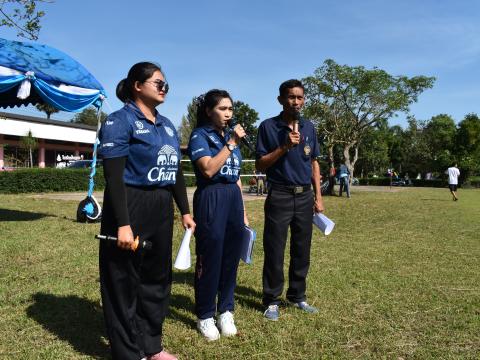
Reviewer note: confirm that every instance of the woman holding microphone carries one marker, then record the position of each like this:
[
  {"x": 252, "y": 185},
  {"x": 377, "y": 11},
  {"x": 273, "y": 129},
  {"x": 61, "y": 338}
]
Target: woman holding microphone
[
  {"x": 141, "y": 155},
  {"x": 219, "y": 212}
]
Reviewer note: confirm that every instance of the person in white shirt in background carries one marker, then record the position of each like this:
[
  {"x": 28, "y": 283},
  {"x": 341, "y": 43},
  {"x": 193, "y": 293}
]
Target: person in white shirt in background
[{"x": 453, "y": 174}]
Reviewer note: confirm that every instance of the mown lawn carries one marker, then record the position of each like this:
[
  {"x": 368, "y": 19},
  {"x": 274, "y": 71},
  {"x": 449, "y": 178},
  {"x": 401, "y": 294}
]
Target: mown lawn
[{"x": 398, "y": 278}]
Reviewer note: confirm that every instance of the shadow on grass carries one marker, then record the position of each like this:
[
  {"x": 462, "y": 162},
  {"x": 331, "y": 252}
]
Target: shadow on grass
[
  {"x": 249, "y": 297},
  {"x": 183, "y": 277},
  {"x": 73, "y": 319},
  {"x": 449, "y": 200},
  {"x": 178, "y": 305},
  {"x": 245, "y": 296},
  {"x": 16, "y": 215}
]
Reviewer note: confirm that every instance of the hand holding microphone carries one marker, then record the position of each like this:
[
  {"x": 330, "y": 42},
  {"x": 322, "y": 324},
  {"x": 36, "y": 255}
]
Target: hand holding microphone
[
  {"x": 293, "y": 138},
  {"x": 237, "y": 130}
]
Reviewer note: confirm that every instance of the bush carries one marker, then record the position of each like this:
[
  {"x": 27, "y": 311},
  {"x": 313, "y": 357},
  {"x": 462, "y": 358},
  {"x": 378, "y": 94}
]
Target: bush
[
  {"x": 48, "y": 180},
  {"x": 377, "y": 181},
  {"x": 385, "y": 181},
  {"x": 437, "y": 183}
]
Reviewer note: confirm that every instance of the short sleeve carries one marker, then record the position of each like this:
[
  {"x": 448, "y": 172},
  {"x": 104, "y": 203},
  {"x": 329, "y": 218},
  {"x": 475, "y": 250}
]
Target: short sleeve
[
  {"x": 114, "y": 137},
  {"x": 198, "y": 146},
  {"x": 261, "y": 149}
]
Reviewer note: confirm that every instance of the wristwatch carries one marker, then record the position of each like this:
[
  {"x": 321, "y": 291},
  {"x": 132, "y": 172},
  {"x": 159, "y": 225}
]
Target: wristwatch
[{"x": 231, "y": 147}]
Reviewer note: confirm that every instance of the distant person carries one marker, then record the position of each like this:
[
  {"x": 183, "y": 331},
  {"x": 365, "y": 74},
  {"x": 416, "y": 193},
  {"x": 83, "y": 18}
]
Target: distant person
[
  {"x": 453, "y": 174},
  {"x": 260, "y": 177},
  {"x": 344, "y": 177}
]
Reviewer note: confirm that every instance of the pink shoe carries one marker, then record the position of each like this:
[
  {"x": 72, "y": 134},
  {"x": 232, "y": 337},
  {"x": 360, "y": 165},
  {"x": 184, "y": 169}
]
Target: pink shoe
[{"x": 162, "y": 356}]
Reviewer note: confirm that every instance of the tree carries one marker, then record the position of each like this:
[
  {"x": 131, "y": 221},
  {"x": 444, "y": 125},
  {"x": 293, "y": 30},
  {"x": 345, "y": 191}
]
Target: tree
[
  {"x": 375, "y": 150},
  {"x": 467, "y": 144},
  {"x": 439, "y": 134},
  {"x": 346, "y": 101},
  {"x": 189, "y": 122},
  {"x": 22, "y": 15},
  {"x": 89, "y": 116},
  {"x": 29, "y": 143},
  {"x": 247, "y": 117},
  {"x": 47, "y": 109}
]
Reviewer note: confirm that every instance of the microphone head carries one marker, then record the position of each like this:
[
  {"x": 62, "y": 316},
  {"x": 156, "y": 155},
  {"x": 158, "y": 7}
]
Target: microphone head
[
  {"x": 296, "y": 115},
  {"x": 232, "y": 122}
]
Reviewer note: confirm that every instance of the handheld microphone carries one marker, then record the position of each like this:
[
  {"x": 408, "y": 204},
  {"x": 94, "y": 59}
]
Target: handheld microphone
[
  {"x": 137, "y": 244},
  {"x": 246, "y": 139},
  {"x": 296, "y": 116}
]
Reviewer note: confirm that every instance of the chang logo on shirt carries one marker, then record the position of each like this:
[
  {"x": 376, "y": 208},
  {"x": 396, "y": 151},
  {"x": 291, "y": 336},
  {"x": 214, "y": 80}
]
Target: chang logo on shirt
[
  {"x": 232, "y": 166},
  {"x": 139, "y": 125},
  {"x": 167, "y": 163}
]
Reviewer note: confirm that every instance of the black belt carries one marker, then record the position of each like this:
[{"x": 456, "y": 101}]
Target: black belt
[{"x": 294, "y": 189}]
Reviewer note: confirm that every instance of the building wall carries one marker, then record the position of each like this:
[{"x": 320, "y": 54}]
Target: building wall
[{"x": 53, "y": 138}]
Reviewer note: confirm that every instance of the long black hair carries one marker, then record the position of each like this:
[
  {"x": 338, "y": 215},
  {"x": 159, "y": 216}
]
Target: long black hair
[
  {"x": 208, "y": 101},
  {"x": 140, "y": 72}
]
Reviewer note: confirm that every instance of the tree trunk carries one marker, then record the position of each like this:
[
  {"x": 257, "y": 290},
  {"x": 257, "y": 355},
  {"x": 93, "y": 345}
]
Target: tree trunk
[
  {"x": 331, "y": 178},
  {"x": 350, "y": 163},
  {"x": 31, "y": 156}
]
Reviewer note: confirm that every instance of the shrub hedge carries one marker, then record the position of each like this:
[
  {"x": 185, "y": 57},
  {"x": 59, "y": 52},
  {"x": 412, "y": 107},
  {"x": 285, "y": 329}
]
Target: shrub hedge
[{"x": 48, "y": 180}]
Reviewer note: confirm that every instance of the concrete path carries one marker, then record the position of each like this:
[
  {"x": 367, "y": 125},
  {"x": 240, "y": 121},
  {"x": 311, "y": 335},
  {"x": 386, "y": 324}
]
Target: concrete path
[{"x": 78, "y": 196}]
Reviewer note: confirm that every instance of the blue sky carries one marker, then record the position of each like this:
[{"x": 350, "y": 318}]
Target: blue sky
[{"x": 249, "y": 47}]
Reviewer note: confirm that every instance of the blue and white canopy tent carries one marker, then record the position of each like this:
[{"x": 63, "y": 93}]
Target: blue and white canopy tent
[{"x": 34, "y": 74}]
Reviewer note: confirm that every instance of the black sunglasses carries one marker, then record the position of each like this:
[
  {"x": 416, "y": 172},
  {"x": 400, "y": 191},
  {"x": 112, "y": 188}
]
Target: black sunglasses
[{"x": 161, "y": 85}]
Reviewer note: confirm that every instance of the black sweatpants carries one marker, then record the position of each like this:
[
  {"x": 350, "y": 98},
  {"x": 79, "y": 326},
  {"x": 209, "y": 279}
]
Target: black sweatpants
[
  {"x": 284, "y": 209},
  {"x": 135, "y": 286}
]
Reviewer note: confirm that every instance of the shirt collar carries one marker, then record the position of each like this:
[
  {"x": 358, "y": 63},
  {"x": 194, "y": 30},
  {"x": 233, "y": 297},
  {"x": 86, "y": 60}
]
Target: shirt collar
[
  {"x": 132, "y": 106},
  {"x": 211, "y": 129},
  {"x": 281, "y": 123}
]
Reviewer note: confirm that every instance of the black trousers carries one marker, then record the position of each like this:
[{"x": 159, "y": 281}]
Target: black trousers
[
  {"x": 218, "y": 213},
  {"x": 135, "y": 286},
  {"x": 283, "y": 210}
]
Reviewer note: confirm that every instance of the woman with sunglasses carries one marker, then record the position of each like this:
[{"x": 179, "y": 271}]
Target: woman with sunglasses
[
  {"x": 219, "y": 212},
  {"x": 141, "y": 155}
]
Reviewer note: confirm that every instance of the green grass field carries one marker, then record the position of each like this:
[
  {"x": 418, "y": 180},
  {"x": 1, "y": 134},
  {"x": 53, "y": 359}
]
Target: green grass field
[{"x": 398, "y": 278}]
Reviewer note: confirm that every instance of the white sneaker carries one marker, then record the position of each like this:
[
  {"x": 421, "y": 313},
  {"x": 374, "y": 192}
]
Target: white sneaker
[
  {"x": 208, "y": 329},
  {"x": 226, "y": 324}
]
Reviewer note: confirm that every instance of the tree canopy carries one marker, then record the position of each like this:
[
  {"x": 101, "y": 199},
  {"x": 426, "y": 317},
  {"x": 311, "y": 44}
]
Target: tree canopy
[
  {"x": 345, "y": 101},
  {"x": 89, "y": 116},
  {"x": 47, "y": 109},
  {"x": 23, "y": 15}
]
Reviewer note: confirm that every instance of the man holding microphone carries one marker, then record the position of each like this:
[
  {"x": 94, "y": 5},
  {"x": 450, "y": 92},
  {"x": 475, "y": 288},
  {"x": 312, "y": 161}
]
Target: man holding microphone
[{"x": 287, "y": 149}]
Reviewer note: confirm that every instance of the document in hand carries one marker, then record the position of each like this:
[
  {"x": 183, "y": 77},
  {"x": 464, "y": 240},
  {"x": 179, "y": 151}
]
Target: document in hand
[
  {"x": 249, "y": 237},
  {"x": 183, "y": 260},
  {"x": 323, "y": 223}
]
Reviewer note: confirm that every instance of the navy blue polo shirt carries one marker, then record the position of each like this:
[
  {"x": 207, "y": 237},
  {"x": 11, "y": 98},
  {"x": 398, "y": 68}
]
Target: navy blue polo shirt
[
  {"x": 295, "y": 167},
  {"x": 152, "y": 150},
  {"x": 206, "y": 141}
]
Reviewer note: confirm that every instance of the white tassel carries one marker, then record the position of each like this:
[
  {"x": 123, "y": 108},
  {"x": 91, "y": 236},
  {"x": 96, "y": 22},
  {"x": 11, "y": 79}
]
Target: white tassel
[{"x": 25, "y": 86}]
